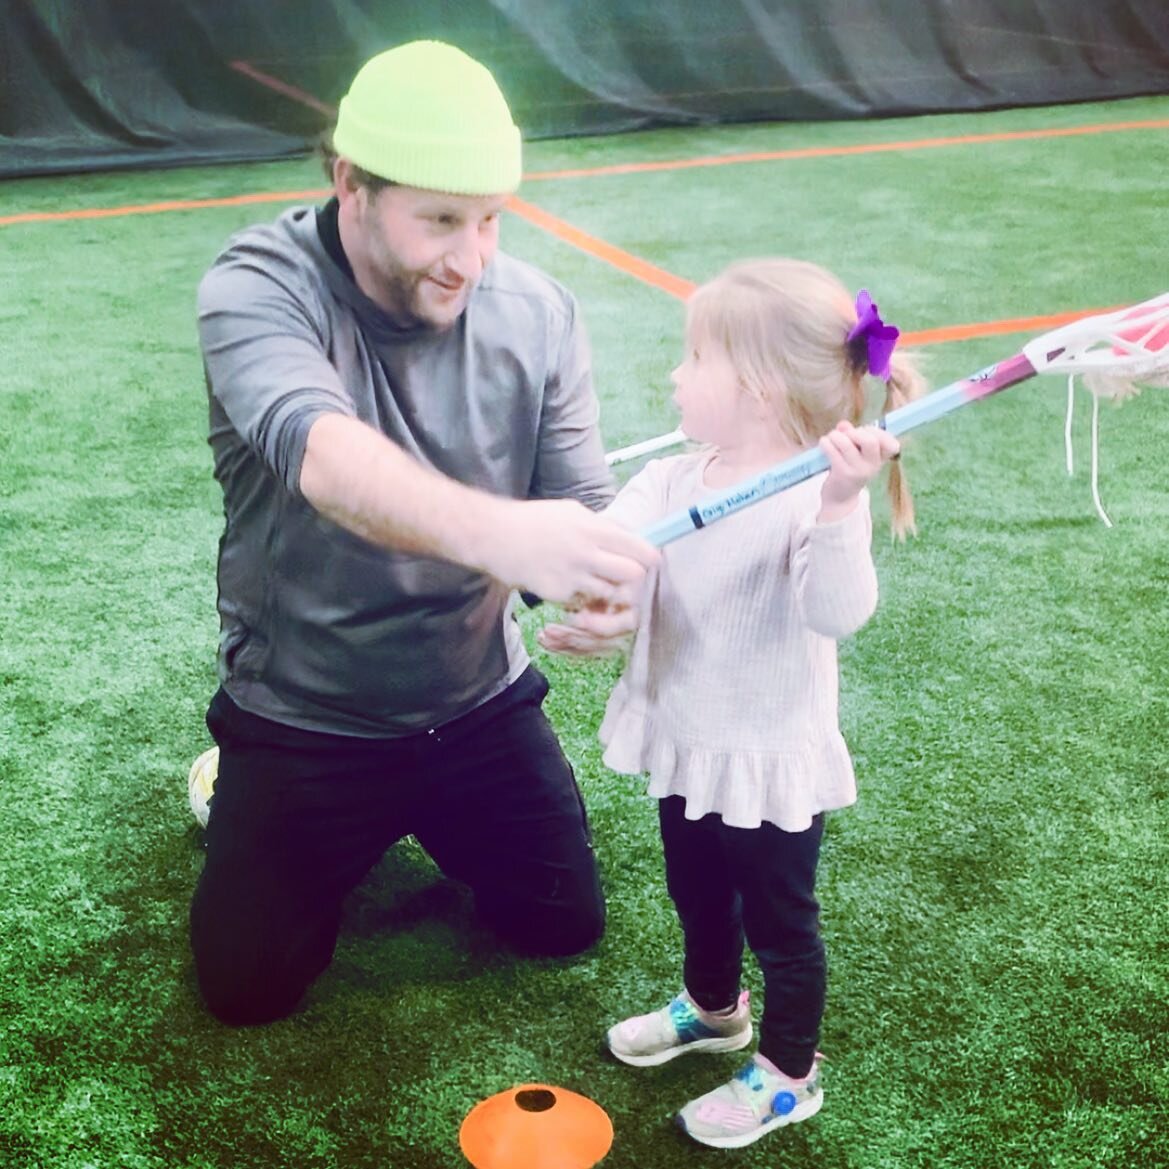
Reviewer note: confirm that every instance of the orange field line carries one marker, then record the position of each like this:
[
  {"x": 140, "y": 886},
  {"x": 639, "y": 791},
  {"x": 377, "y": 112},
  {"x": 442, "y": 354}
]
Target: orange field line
[
  {"x": 624, "y": 261},
  {"x": 627, "y": 168},
  {"x": 941, "y": 336},
  {"x": 154, "y": 208}
]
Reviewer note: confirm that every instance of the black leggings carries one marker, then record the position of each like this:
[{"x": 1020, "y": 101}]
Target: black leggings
[
  {"x": 726, "y": 882},
  {"x": 299, "y": 818}
]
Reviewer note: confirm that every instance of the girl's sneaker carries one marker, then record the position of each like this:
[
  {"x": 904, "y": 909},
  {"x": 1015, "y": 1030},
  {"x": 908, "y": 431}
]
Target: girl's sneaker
[
  {"x": 760, "y": 1098},
  {"x": 647, "y": 1040}
]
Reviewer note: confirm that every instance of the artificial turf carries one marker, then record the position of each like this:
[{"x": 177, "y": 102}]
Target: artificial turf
[{"x": 994, "y": 906}]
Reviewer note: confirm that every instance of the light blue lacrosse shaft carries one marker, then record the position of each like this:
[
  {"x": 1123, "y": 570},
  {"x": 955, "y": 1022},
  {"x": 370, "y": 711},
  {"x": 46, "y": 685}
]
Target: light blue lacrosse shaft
[{"x": 811, "y": 462}]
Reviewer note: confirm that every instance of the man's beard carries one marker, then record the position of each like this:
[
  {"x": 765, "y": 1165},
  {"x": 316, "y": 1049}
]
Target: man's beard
[{"x": 401, "y": 289}]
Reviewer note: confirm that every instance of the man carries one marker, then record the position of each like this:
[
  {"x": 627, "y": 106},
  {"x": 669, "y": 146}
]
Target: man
[{"x": 404, "y": 427}]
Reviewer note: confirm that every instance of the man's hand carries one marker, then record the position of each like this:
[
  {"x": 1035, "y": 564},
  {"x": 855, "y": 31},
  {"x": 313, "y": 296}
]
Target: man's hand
[
  {"x": 595, "y": 631},
  {"x": 563, "y": 552},
  {"x": 855, "y": 454}
]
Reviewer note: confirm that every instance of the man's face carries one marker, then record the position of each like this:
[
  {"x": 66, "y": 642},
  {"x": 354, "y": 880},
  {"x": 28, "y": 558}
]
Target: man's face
[{"x": 419, "y": 254}]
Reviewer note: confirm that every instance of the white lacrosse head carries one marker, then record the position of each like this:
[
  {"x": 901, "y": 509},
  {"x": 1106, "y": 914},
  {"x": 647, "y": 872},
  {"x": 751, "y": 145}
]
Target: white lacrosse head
[
  {"x": 1116, "y": 355},
  {"x": 1116, "y": 352}
]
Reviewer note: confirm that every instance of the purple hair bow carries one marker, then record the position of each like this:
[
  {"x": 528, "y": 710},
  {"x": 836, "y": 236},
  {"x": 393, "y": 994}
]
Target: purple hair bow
[{"x": 880, "y": 339}]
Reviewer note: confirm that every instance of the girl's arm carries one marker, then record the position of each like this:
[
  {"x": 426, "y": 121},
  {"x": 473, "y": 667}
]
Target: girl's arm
[
  {"x": 833, "y": 573},
  {"x": 836, "y": 580}
]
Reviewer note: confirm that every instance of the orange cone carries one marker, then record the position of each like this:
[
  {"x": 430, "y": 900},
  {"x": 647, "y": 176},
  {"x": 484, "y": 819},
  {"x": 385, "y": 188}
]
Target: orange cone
[{"x": 536, "y": 1126}]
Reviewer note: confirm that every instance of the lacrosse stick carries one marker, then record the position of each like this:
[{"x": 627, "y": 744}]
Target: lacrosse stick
[
  {"x": 1115, "y": 352},
  {"x": 627, "y": 453}
]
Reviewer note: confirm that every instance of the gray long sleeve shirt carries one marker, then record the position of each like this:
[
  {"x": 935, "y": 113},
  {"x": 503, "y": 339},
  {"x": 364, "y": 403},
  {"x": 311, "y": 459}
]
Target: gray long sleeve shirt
[{"x": 319, "y": 628}]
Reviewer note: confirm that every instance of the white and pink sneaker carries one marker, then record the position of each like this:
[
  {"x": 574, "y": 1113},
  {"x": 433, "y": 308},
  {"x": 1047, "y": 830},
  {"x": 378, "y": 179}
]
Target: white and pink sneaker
[
  {"x": 759, "y": 1099},
  {"x": 680, "y": 1026}
]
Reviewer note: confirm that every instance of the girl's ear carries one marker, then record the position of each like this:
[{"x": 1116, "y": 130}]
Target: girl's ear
[{"x": 761, "y": 406}]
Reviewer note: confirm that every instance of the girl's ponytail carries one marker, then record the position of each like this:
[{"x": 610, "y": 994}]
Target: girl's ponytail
[{"x": 904, "y": 384}]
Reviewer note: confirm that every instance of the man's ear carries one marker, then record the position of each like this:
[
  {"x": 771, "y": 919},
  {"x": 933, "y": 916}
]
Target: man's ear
[
  {"x": 345, "y": 185},
  {"x": 353, "y": 197}
]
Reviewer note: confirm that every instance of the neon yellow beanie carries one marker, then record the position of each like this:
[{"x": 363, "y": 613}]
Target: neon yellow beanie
[{"x": 427, "y": 115}]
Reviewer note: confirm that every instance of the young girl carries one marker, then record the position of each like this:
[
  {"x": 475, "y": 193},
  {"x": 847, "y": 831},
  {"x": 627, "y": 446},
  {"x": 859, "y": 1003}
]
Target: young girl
[{"x": 729, "y": 697}]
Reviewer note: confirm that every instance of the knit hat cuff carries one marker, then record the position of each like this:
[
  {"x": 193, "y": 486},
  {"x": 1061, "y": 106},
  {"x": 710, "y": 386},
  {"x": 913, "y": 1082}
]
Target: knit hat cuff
[{"x": 465, "y": 164}]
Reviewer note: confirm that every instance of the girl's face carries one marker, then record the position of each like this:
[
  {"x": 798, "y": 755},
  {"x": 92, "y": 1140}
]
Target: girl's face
[{"x": 710, "y": 397}]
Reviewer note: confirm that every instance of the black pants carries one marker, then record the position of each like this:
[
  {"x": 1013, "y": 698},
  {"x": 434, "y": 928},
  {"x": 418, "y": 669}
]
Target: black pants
[
  {"x": 726, "y": 882},
  {"x": 298, "y": 819}
]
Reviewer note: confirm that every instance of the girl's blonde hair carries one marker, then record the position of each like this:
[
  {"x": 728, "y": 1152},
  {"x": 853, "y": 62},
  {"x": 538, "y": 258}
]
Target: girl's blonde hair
[{"x": 784, "y": 324}]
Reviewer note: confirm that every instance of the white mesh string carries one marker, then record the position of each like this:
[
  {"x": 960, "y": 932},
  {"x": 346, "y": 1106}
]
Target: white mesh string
[
  {"x": 1067, "y": 445},
  {"x": 1096, "y": 462}
]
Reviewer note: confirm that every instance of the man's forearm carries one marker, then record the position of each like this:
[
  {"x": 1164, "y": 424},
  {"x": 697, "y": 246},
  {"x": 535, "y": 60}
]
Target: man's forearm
[
  {"x": 555, "y": 548},
  {"x": 365, "y": 483}
]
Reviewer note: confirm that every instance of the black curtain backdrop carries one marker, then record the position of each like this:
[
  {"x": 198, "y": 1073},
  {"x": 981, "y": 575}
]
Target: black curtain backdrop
[{"x": 101, "y": 84}]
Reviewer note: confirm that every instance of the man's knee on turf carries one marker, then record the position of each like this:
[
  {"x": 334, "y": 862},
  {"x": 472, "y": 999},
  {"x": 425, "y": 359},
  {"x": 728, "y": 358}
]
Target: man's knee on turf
[
  {"x": 556, "y": 932},
  {"x": 242, "y": 999}
]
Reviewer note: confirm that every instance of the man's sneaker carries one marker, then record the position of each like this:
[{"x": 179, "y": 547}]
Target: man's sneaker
[
  {"x": 760, "y": 1098},
  {"x": 201, "y": 783},
  {"x": 647, "y": 1040}
]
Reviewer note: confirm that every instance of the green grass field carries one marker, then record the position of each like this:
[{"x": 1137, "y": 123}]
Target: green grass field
[{"x": 995, "y": 905}]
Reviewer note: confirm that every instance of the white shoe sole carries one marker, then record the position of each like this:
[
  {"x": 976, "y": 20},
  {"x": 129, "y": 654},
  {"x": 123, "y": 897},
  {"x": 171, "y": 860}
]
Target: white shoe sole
[
  {"x": 716, "y": 1043},
  {"x": 741, "y": 1140},
  {"x": 201, "y": 783}
]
